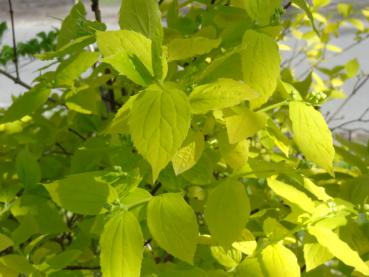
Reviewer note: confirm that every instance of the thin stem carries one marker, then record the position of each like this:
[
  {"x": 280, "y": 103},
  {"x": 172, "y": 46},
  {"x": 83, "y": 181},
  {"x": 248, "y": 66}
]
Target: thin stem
[
  {"x": 77, "y": 134},
  {"x": 15, "y": 58},
  {"x": 318, "y": 62},
  {"x": 61, "y": 147},
  {"x": 274, "y": 106},
  {"x": 350, "y": 122}
]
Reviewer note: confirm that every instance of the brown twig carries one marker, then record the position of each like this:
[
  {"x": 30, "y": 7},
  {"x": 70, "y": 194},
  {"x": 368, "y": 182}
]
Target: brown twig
[
  {"x": 79, "y": 267},
  {"x": 96, "y": 9},
  {"x": 155, "y": 189},
  {"x": 15, "y": 79},
  {"x": 318, "y": 62},
  {"x": 361, "y": 119},
  {"x": 359, "y": 84},
  {"x": 15, "y": 58},
  {"x": 285, "y": 7}
]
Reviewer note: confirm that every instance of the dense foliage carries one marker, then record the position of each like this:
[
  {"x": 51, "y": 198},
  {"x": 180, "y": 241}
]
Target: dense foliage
[{"x": 185, "y": 150}]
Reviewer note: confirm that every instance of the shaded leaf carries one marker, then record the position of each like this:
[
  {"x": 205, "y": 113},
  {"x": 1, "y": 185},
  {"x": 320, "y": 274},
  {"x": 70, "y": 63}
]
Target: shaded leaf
[{"x": 227, "y": 211}]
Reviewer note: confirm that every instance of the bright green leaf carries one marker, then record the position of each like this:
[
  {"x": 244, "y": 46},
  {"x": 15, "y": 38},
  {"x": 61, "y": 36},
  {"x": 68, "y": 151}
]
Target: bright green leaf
[
  {"x": 119, "y": 124},
  {"x": 249, "y": 267},
  {"x": 317, "y": 191},
  {"x": 190, "y": 152},
  {"x": 121, "y": 246},
  {"x": 159, "y": 122},
  {"x": 221, "y": 94},
  {"x": 247, "y": 244},
  {"x": 338, "y": 248},
  {"x": 243, "y": 124},
  {"x": 292, "y": 195},
  {"x": 235, "y": 155},
  {"x": 260, "y": 64},
  {"x": 143, "y": 16},
  {"x": 129, "y": 53},
  {"x": 70, "y": 69},
  {"x": 229, "y": 258},
  {"x": 75, "y": 26},
  {"x": 314, "y": 253},
  {"x": 312, "y": 135},
  {"x": 172, "y": 223},
  {"x": 279, "y": 261},
  {"x": 305, "y": 7},
  {"x": 352, "y": 68},
  {"x": 261, "y": 10}
]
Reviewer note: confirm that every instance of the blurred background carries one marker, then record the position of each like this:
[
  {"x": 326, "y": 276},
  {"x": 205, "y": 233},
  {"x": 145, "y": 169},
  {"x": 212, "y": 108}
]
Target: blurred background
[{"x": 33, "y": 17}]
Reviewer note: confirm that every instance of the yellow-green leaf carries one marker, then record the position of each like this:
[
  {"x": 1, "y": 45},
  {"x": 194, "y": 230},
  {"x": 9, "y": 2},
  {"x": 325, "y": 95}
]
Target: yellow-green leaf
[
  {"x": 190, "y": 152},
  {"x": 221, "y": 94},
  {"x": 306, "y": 8},
  {"x": 352, "y": 68},
  {"x": 129, "y": 53},
  {"x": 172, "y": 223},
  {"x": 159, "y": 122},
  {"x": 312, "y": 135},
  {"x": 338, "y": 248},
  {"x": 119, "y": 124},
  {"x": 227, "y": 211},
  {"x": 292, "y": 195},
  {"x": 184, "y": 48},
  {"x": 318, "y": 192},
  {"x": 142, "y": 16},
  {"x": 69, "y": 70},
  {"x": 235, "y": 155},
  {"x": 261, "y": 10},
  {"x": 249, "y": 267},
  {"x": 244, "y": 123},
  {"x": 80, "y": 193},
  {"x": 279, "y": 261},
  {"x": 247, "y": 244},
  {"x": 314, "y": 253},
  {"x": 121, "y": 246},
  {"x": 229, "y": 258},
  {"x": 260, "y": 64}
]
